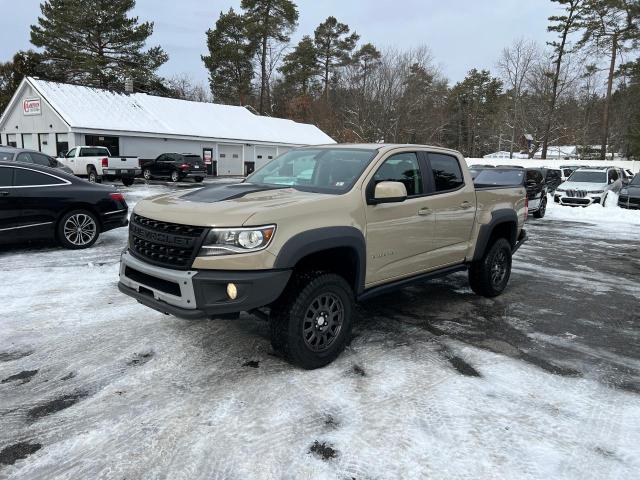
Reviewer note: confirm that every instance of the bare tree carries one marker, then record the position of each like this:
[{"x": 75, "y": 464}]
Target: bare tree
[
  {"x": 515, "y": 64},
  {"x": 183, "y": 87}
]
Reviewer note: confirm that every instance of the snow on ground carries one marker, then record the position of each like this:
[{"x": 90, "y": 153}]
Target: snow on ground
[{"x": 437, "y": 382}]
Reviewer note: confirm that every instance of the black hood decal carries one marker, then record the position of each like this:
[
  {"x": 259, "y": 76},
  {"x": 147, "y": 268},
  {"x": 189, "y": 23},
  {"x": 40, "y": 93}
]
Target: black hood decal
[{"x": 219, "y": 193}]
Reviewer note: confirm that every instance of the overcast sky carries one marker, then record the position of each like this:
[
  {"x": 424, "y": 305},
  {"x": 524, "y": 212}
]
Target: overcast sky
[{"x": 462, "y": 34}]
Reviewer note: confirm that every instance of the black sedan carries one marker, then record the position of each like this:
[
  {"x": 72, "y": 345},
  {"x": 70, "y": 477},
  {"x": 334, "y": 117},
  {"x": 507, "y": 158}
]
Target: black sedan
[
  {"x": 45, "y": 203},
  {"x": 630, "y": 195}
]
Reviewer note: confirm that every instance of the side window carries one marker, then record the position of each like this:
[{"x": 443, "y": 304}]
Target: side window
[
  {"x": 71, "y": 153},
  {"x": 24, "y": 157},
  {"x": 6, "y": 176},
  {"x": 447, "y": 174},
  {"x": 40, "y": 159},
  {"x": 534, "y": 176},
  {"x": 30, "y": 178},
  {"x": 402, "y": 167}
]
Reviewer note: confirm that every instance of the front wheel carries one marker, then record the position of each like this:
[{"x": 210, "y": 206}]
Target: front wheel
[
  {"x": 542, "y": 209},
  {"x": 311, "y": 322},
  {"x": 489, "y": 276},
  {"x": 175, "y": 176},
  {"x": 78, "y": 229}
]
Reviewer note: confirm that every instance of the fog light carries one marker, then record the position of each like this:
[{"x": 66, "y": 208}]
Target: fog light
[{"x": 232, "y": 291}]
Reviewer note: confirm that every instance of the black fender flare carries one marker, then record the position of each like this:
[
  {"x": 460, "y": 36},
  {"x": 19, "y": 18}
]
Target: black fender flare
[
  {"x": 498, "y": 217},
  {"x": 326, "y": 238}
]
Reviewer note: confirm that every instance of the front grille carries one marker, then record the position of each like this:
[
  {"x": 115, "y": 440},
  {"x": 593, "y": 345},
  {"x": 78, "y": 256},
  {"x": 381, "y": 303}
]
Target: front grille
[
  {"x": 575, "y": 201},
  {"x": 166, "y": 244},
  {"x": 576, "y": 193}
]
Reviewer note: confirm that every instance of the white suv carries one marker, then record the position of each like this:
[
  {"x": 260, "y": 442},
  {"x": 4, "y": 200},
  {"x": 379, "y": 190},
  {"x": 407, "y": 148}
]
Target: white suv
[{"x": 586, "y": 186}]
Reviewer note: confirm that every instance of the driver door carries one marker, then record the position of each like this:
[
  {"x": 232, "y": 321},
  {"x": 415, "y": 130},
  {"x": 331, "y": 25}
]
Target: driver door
[{"x": 399, "y": 235}]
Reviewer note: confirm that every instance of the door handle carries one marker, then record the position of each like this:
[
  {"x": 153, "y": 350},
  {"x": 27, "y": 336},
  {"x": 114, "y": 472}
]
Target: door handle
[
  {"x": 425, "y": 211},
  {"x": 464, "y": 205},
  {"x": 4, "y": 194}
]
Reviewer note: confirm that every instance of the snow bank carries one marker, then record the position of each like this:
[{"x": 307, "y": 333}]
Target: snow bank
[{"x": 608, "y": 217}]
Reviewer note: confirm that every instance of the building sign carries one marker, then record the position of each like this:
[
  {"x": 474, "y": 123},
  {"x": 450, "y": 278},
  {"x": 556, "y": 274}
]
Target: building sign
[{"x": 31, "y": 106}]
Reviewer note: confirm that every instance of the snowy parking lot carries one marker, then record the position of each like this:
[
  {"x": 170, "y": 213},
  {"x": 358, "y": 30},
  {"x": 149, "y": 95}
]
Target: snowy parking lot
[{"x": 541, "y": 382}]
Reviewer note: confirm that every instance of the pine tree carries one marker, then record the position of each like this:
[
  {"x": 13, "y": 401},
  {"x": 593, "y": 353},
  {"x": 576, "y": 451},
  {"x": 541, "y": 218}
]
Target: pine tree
[
  {"x": 563, "y": 25},
  {"x": 268, "y": 21},
  {"x": 334, "y": 46},
  {"x": 96, "y": 43},
  {"x": 300, "y": 66},
  {"x": 230, "y": 59},
  {"x": 609, "y": 27},
  {"x": 366, "y": 59}
]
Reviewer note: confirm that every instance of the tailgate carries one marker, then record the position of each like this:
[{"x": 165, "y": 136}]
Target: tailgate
[{"x": 123, "y": 162}]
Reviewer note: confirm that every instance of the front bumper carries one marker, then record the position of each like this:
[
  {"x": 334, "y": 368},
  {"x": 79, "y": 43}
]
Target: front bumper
[
  {"x": 628, "y": 202},
  {"x": 121, "y": 172},
  {"x": 196, "y": 294},
  {"x": 577, "y": 201}
]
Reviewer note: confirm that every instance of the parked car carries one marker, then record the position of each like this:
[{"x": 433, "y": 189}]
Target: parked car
[
  {"x": 31, "y": 156},
  {"x": 537, "y": 190},
  {"x": 176, "y": 166},
  {"x": 45, "y": 203},
  {"x": 366, "y": 220},
  {"x": 630, "y": 195},
  {"x": 588, "y": 185},
  {"x": 552, "y": 178},
  {"x": 96, "y": 163},
  {"x": 567, "y": 170}
]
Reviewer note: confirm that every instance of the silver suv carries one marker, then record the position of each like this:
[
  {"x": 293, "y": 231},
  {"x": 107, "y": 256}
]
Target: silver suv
[{"x": 589, "y": 185}]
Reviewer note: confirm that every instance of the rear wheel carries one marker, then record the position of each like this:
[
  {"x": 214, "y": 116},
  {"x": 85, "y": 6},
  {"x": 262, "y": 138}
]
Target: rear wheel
[
  {"x": 311, "y": 322},
  {"x": 78, "y": 229},
  {"x": 175, "y": 176},
  {"x": 199, "y": 179},
  {"x": 92, "y": 176},
  {"x": 489, "y": 276},
  {"x": 128, "y": 181},
  {"x": 543, "y": 208},
  {"x": 146, "y": 173}
]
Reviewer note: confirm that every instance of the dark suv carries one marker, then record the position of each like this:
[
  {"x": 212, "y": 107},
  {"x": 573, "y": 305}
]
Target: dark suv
[
  {"x": 537, "y": 188},
  {"x": 176, "y": 166}
]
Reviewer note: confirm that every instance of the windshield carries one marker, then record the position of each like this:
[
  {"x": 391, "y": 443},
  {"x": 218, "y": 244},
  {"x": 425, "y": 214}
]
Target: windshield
[
  {"x": 586, "y": 176},
  {"x": 322, "y": 170},
  {"x": 636, "y": 180},
  {"x": 495, "y": 177}
]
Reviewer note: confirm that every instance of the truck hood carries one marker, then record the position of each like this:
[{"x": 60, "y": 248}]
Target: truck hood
[
  {"x": 583, "y": 186},
  {"x": 228, "y": 205}
]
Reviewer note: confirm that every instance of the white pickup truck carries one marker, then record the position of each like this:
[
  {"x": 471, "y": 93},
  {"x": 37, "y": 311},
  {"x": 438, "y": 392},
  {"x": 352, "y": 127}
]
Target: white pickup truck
[{"x": 96, "y": 163}]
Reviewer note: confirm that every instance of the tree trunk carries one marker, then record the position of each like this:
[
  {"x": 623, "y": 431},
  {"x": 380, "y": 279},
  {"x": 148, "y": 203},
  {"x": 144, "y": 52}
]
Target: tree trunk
[
  {"x": 607, "y": 102},
  {"x": 263, "y": 67}
]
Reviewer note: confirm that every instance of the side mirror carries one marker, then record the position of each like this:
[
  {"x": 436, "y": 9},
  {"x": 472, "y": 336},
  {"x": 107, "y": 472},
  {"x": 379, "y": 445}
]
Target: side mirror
[{"x": 388, "y": 192}]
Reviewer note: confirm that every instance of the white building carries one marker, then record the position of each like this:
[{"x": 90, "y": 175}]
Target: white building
[{"x": 55, "y": 117}]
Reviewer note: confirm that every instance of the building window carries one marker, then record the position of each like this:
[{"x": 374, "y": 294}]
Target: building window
[
  {"x": 27, "y": 141},
  {"x": 62, "y": 144},
  {"x": 222, "y": 155},
  {"x": 43, "y": 141},
  {"x": 112, "y": 143},
  {"x": 12, "y": 140},
  {"x": 259, "y": 156},
  {"x": 235, "y": 155}
]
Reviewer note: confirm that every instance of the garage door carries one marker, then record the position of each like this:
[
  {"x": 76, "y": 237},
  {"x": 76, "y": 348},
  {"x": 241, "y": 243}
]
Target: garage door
[
  {"x": 264, "y": 155},
  {"x": 230, "y": 160}
]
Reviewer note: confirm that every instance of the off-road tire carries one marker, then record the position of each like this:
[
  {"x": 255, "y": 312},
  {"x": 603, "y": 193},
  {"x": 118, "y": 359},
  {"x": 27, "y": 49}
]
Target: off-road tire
[
  {"x": 67, "y": 242},
  {"x": 482, "y": 278},
  {"x": 287, "y": 318},
  {"x": 93, "y": 176},
  {"x": 128, "y": 181},
  {"x": 542, "y": 209}
]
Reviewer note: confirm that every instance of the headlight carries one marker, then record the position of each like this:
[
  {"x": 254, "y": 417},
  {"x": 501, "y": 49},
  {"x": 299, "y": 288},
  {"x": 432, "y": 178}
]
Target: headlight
[
  {"x": 624, "y": 191},
  {"x": 228, "y": 241},
  {"x": 595, "y": 191}
]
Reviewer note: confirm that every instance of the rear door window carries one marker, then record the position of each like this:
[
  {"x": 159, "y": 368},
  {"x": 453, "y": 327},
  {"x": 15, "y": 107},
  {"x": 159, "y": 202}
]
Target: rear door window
[
  {"x": 25, "y": 157},
  {"x": 94, "y": 152},
  {"x": 30, "y": 178},
  {"x": 446, "y": 172}
]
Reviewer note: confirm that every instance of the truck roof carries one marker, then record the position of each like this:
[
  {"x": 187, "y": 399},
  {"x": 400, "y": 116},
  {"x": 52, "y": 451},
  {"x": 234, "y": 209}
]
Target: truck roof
[{"x": 383, "y": 146}]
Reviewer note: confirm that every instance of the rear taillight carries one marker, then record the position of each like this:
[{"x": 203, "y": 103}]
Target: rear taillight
[
  {"x": 105, "y": 162},
  {"x": 117, "y": 196},
  {"x": 526, "y": 207},
  {"x": 185, "y": 166}
]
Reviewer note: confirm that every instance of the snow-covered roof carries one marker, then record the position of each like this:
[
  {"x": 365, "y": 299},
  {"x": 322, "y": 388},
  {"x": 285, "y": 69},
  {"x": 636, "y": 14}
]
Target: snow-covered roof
[{"x": 97, "y": 109}]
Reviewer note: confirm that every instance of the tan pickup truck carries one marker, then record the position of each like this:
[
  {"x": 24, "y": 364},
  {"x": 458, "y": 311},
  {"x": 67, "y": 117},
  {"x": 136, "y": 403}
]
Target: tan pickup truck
[{"x": 316, "y": 230}]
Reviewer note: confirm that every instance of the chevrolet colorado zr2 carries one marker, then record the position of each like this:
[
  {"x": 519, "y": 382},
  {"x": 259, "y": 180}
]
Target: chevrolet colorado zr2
[{"x": 316, "y": 230}]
